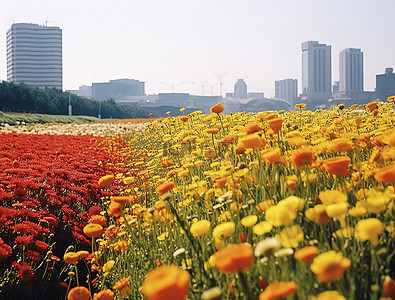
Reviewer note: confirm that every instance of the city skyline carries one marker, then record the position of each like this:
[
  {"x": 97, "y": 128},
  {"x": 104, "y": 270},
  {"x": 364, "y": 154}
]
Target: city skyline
[{"x": 164, "y": 44}]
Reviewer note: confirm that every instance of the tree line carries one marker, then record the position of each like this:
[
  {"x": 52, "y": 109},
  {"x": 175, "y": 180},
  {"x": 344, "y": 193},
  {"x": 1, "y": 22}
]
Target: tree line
[{"x": 22, "y": 98}]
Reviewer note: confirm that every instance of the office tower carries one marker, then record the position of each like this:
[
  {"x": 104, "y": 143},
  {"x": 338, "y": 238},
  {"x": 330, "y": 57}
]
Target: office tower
[
  {"x": 351, "y": 70},
  {"x": 385, "y": 84},
  {"x": 287, "y": 89},
  {"x": 118, "y": 89},
  {"x": 240, "y": 89},
  {"x": 316, "y": 71},
  {"x": 34, "y": 55}
]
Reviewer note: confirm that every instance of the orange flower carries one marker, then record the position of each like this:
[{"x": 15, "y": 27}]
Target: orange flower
[
  {"x": 234, "y": 258},
  {"x": 98, "y": 219},
  {"x": 71, "y": 257},
  {"x": 228, "y": 140},
  {"x": 209, "y": 153},
  {"x": 166, "y": 163},
  {"x": 265, "y": 204},
  {"x": 220, "y": 182},
  {"x": 93, "y": 230},
  {"x": 122, "y": 199},
  {"x": 217, "y": 108},
  {"x": 341, "y": 144},
  {"x": 165, "y": 187},
  {"x": 372, "y": 106},
  {"x": 106, "y": 180},
  {"x": 302, "y": 157},
  {"x": 272, "y": 155},
  {"x": 212, "y": 130},
  {"x": 279, "y": 290},
  {"x": 385, "y": 174},
  {"x": 330, "y": 266},
  {"x": 252, "y": 141},
  {"x": 114, "y": 209},
  {"x": 79, "y": 293},
  {"x": 166, "y": 283},
  {"x": 104, "y": 295},
  {"x": 253, "y": 127},
  {"x": 337, "y": 165},
  {"x": 275, "y": 124},
  {"x": 123, "y": 286},
  {"x": 389, "y": 287},
  {"x": 306, "y": 254}
]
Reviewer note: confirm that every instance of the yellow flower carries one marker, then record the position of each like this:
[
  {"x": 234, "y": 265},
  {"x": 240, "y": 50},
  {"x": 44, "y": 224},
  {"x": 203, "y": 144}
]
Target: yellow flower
[
  {"x": 357, "y": 211},
  {"x": 200, "y": 228},
  {"x": 291, "y": 236},
  {"x": 330, "y": 266},
  {"x": 377, "y": 202},
  {"x": 254, "y": 140},
  {"x": 249, "y": 221},
  {"x": 369, "y": 229},
  {"x": 262, "y": 227},
  {"x": 224, "y": 230},
  {"x": 332, "y": 196},
  {"x": 163, "y": 236},
  {"x": 328, "y": 295},
  {"x": 336, "y": 210},
  {"x": 128, "y": 180},
  {"x": 280, "y": 215},
  {"x": 300, "y": 105},
  {"x": 292, "y": 203},
  {"x": 108, "y": 266},
  {"x": 344, "y": 232},
  {"x": 123, "y": 286}
]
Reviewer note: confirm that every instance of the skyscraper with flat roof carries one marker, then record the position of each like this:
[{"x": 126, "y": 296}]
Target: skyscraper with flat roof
[
  {"x": 316, "y": 71},
  {"x": 34, "y": 55},
  {"x": 351, "y": 70},
  {"x": 287, "y": 89}
]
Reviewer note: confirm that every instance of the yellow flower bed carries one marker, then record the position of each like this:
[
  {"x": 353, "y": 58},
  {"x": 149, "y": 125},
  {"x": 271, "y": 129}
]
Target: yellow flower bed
[{"x": 309, "y": 196}]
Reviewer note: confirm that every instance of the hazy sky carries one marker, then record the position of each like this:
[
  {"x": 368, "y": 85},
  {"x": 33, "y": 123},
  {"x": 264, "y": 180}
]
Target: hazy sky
[{"x": 175, "y": 41}]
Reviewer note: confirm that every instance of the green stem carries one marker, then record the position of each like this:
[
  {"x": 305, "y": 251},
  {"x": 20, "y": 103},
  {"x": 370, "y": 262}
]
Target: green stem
[{"x": 243, "y": 281}]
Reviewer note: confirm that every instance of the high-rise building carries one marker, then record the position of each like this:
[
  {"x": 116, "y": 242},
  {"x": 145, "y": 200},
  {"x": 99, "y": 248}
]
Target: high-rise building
[
  {"x": 287, "y": 89},
  {"x": 240, "y": 89},
  {"x": 118, "y": 89},
  {"x": 316, "y": 71},
  {"x": 385, "y": 84},
  {"x": 351, "y": 70},
  {"x": 34, "y": 55}
]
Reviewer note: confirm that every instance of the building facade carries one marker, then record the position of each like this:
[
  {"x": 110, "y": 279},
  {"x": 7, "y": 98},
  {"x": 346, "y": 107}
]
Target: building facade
[
  {"x": 240, "y": 89},
  {"x": 351, "y": 70},
  {"x": 118, "y": 89},
  {"x": 316, "y": 71},
  {"x": 287, "y": 89},
  {"x": 385, "y": 84},
  {"x": 34, "y": 55}
]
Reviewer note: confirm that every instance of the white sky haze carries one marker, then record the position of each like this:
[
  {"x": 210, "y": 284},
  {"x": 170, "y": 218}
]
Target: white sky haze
[{"x": 175, "y": 42}]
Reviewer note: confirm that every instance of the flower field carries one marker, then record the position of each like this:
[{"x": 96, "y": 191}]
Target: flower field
[{"x": 271, "y": 205}]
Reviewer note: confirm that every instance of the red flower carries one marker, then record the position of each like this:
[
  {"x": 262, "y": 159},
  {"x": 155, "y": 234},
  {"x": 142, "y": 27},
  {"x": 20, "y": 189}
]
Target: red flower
[
  {"x": 25, "y": 272},
  {"x": 41, "y": 245},
  {"x": 5, "y": 250},
  {"x": 33, "y": 255},
  {"x": 24, "y": 240}
]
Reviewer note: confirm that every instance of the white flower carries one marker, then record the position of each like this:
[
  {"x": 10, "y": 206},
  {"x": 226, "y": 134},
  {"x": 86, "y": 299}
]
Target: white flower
[
  {"x": 267, "y": 246},
  {"x": 178, "y": 252},
  {"x": 212, "y": 294},
  {"x": 284, "y": 252}
]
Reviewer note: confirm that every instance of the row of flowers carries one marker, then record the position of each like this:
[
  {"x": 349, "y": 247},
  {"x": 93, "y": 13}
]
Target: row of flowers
[
  {"x": 48, "y": 192},
  {"x": 242, "y": 206}
]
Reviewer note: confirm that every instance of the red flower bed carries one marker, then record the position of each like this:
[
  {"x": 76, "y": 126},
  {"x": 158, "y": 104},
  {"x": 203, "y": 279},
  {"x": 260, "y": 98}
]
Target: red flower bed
[{"x": 48, "y": 191}]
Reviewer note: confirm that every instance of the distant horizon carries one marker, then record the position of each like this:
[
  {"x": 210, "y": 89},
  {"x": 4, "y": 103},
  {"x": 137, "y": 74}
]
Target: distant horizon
[{"x": 174, "y": 45}]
